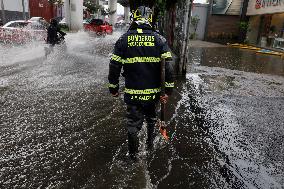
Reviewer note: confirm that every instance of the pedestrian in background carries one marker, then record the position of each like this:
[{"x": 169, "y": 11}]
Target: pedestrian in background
[{"x": 139, "y": 53}]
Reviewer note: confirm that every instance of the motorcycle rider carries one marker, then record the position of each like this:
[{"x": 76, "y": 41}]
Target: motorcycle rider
[
  {"x": 52, "y": 33},
  {"x": 139, "y": 53}
]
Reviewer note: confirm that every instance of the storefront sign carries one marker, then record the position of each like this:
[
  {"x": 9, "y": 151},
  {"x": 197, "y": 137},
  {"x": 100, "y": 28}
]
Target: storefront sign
[
  {"x": 259, "y": 7},
  {"x": 267, "y": 3}
]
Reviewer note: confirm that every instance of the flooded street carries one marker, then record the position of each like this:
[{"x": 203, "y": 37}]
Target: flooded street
[{"x": 60, "y": 128}]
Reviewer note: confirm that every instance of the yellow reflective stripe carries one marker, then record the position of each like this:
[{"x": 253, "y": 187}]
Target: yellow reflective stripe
[
  {"x": 117, "y": 58},
  {"x": 142, "y": 92},
  {"x": 142, "y": 60},
  {"x": 135, "y": 59},
  {"x": 166, "y": 55},
  {"x": 169, "y": 84},
  {"x": 141, "y": 44},
  {"x": 139, "y": 30},
  {"x": 112, "y": 85},
  {"x": 145, "y": 98}
]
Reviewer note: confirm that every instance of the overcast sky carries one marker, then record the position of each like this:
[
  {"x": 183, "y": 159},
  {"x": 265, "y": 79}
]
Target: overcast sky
[{"x": 120, "y": 9}]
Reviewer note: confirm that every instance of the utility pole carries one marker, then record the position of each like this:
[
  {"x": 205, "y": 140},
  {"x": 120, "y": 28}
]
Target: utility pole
[
  {"x": 24, "y": 10},
  {"x": 3, "y": 12}
]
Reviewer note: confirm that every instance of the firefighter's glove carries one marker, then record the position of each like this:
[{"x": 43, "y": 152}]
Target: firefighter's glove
[
  {"x": 115, "y": 95},
  {"x": 164, "y": 99}
]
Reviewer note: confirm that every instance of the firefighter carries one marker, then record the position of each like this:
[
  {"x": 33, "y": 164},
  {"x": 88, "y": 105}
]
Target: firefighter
[{"x": 139, "y": 52}]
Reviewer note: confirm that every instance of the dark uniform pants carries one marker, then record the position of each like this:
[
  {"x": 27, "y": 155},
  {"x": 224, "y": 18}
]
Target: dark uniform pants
[{"x": 135, "y": 118}]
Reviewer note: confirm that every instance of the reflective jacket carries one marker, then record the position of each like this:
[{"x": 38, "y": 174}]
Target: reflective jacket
[{"x": 139, "y": 53}]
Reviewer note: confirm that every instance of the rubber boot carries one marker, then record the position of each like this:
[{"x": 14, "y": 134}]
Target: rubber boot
[{"x": 133, "y": 144}]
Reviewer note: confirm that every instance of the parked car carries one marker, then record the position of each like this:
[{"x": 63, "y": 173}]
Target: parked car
[
  {"x": 98, "y": 26},
  {"x": 120, "y": 24},
  {"x": 36, "y": 30},
  {"x": 22, "y": 31},
  {"x": 40, "y": 20}
]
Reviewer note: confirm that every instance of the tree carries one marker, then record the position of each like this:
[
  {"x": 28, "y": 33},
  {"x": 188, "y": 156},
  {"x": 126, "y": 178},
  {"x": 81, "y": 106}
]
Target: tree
[
  {"x": 92, "y": 6},
  {"x": 194, "y": 22}
]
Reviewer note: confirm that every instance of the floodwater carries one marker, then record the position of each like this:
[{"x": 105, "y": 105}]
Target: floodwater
[{"x": 60, "y": 128}]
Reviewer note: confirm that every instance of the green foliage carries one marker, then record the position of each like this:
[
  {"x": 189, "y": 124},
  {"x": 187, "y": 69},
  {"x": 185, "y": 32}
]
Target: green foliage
[
  {"x": 192, "y": 36},
  {"x": 64, "y": 28},
  {"x": 194, "y": 22},
  {"x": 160, "y": 8},
  {"x": 244, "y": 26},
  {"x": 92, "y": 7},
  {"x": 163, "y": 5}
]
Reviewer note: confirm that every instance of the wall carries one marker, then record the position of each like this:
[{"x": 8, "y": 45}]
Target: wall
[
  {"x": 201, "y": 11},
  {"x": 14, "y": 10},
  {"x": 42, "y": 8},
  {"x": 223, "y": 28},
  {"x": 15, "y": 5},
  {"x": 268, "y": 8}
]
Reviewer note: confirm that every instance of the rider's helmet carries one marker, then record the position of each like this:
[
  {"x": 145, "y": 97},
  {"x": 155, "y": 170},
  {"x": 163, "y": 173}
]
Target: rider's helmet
[
  {"x": 53, "y": 22},
  {"x": 143, "y": 15}
]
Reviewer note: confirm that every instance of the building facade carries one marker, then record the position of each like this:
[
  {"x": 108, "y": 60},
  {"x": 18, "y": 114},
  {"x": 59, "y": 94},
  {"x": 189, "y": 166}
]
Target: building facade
[
  {"x": 266, "y": 24},
  {"x": 223, "y": 21},
  {"x": 42, "y": 8},
  {"x": 15, "y": 10}
]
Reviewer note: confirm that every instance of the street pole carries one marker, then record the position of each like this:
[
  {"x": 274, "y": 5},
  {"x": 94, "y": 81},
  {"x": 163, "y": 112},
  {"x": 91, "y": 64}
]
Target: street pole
[
  {"x": 24, "y": 10},
  {"x": 112, "y": 4},
  {"x": 3, "y": 12}
]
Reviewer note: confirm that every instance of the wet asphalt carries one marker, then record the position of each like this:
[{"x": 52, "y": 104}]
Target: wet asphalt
[{"x": 60, "y": 128}]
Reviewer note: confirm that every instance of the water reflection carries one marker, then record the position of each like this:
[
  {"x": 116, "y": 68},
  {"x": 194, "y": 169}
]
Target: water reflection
[{"x": 237, "y": 59}]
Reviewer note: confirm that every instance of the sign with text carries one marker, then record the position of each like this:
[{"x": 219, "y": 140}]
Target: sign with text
[
  {"x": 258, "y": 7},
  {"x": 267, "y": 3}
]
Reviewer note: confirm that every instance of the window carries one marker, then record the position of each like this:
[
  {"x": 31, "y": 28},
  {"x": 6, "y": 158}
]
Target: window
[
  {"x": 97, "y": 22},
  {"x": 18, "y": 24}
]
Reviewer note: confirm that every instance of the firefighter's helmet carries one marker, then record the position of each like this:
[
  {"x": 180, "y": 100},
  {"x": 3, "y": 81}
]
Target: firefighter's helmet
[{"x": 143, "y": 15}]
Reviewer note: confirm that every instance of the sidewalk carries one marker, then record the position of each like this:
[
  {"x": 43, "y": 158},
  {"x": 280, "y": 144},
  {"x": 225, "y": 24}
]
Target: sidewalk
[{"x": 198, "y": 43}]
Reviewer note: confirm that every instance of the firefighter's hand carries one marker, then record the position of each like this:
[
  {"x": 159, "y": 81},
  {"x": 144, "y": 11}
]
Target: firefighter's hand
[
  {"x": 115, "y": 95},
  {"x": 164, "y": 99}
]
